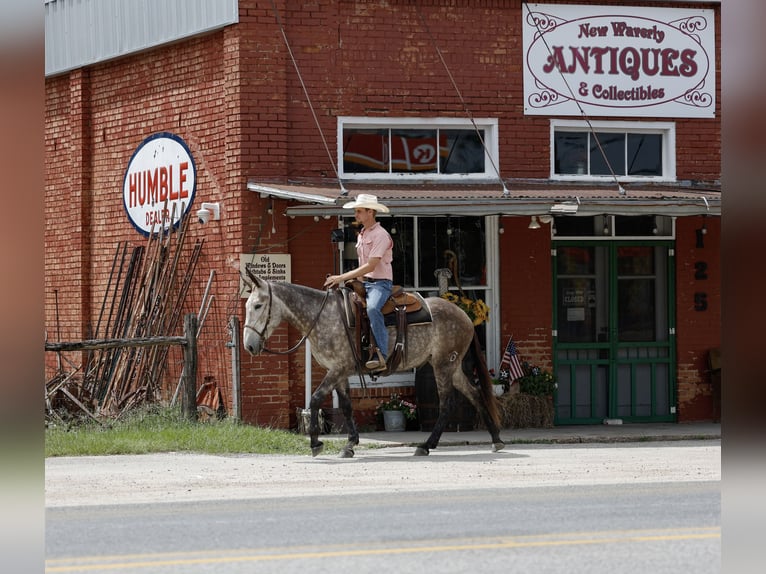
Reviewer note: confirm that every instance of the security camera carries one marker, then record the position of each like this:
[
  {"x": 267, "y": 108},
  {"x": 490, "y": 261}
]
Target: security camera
[
  {"x": 203, "y": 215},
  {"x": 208, "y": 211}
]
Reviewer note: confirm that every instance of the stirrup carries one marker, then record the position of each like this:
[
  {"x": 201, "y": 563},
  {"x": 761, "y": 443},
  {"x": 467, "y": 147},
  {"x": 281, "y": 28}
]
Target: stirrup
[{"x": 378, "y": 363}]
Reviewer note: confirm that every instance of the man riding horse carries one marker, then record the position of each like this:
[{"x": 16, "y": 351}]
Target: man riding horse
[{"x": 374, "y": 248}]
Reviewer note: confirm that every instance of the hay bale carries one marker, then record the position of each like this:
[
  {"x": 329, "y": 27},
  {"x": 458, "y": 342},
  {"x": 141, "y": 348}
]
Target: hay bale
[{"x": 520, "y": 410}]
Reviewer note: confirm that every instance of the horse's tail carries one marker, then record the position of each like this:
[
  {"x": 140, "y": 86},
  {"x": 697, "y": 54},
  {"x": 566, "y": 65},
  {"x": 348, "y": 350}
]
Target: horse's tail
[{"x": 486, "y": 387}]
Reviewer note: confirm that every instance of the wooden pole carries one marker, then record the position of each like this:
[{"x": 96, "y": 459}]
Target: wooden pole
[{"x": 189, "y": 401}]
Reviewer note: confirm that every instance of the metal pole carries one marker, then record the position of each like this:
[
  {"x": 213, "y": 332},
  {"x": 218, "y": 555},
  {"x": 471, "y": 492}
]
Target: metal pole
[
  {"x": 307, "y": 382},
  {"x": 236, "y": 408}
]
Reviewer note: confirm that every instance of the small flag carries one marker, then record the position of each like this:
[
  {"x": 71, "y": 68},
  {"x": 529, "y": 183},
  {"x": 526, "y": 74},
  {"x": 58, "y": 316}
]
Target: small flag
[{"x": 510, "y": 362}]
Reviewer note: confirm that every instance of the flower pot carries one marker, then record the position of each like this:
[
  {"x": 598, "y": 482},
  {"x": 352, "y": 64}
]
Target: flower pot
[{"x": 394, "y": 421}]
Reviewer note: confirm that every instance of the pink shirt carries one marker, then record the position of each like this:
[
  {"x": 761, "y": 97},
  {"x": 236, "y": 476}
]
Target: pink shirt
[{"x": 376, "y": 242}]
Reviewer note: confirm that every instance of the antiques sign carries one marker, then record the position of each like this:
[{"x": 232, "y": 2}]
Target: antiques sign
[{"x": 618, "y": 61}]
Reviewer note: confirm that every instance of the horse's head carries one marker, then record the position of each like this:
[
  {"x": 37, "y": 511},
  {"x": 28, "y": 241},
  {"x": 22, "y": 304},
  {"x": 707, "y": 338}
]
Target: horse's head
[{"x": 259, "y": 323}]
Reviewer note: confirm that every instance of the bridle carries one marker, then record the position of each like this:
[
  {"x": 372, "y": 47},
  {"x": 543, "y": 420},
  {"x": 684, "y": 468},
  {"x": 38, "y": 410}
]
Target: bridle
[{"x": 292, "y": 349}]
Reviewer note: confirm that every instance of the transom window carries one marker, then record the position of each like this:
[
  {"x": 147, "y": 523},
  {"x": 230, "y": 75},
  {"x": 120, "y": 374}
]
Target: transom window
[
  {"x": 414, "y": 148},
  {"x": 635, "y": 151}
]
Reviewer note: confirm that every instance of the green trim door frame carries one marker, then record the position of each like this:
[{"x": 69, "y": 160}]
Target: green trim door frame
[{"x": 614, "y": 331}]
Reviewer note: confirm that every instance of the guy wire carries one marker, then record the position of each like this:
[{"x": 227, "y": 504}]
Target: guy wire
[
  {"x": 343, "y": 191},
  {"x": 460, "y": 95}
]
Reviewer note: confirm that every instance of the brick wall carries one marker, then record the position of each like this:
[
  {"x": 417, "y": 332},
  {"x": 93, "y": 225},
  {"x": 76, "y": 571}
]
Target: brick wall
[
  {"x": 526, "y": 284},
  {"x": 698, "y": 279}
]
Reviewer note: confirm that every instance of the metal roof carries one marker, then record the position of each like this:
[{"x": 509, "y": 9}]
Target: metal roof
[
  {"x": 83, "y": 32},
  {"x": 516, "y": 197}
]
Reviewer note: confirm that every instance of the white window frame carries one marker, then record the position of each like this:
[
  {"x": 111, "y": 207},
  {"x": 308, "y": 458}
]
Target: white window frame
[
  {"x": 489, "y": 133},
  {"x": 666, "y": 129}
]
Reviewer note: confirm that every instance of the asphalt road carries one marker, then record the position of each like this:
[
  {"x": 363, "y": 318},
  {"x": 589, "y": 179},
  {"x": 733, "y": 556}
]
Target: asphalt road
[{"x": 625, "y": 508}]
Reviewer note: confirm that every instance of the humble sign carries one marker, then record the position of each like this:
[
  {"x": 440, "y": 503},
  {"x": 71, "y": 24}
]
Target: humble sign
[
  {"x": 159, "y": 184},
  {"x": 618, "y": 61},
  {"x": 269, "y": 266}
]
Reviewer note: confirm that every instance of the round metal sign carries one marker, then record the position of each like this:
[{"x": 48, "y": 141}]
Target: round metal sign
[{"x": 160, "y": 182}]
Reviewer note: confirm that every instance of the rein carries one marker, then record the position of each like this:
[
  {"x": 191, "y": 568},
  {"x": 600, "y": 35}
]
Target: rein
[{"x": 303, "y": 339}]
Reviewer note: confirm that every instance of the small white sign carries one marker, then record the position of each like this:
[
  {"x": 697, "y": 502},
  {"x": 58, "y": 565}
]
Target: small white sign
[
  {"x": 575, "y": 314},
  {"x": 159, "y": 184},
  {"x": 618, "y": 61},
  {"x": 269, "y": 266}
]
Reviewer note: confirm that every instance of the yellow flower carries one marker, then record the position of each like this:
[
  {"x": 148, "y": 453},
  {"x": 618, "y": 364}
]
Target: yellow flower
[{"x": 476, "y": 309}]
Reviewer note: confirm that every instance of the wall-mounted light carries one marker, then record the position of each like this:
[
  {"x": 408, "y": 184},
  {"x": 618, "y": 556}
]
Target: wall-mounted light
[
  {"x": 533, "y": 224},
  {"x": 704, "y": 225}
]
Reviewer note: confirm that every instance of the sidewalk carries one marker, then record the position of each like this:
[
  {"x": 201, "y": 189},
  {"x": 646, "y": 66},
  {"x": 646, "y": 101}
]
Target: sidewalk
[{"x": 559, "y": 434}]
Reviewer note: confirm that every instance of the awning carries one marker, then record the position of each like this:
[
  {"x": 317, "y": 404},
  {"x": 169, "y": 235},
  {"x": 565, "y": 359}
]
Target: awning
[{"x": 528, "y": 197}]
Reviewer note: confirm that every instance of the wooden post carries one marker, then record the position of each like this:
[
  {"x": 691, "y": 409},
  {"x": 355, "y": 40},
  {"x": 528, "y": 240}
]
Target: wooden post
[{"x": 189, "y": 395}]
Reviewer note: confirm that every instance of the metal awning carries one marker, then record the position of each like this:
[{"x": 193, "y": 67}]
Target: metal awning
[{"x": 528, "y": 197}]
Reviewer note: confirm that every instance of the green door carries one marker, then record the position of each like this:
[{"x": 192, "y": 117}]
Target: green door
[{"x": 614, "y": 342}]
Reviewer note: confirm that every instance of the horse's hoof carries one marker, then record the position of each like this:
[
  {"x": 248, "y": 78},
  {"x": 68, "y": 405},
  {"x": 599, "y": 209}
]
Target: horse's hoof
[
  {"x": 315, "y": 450},
  {"x": 496, "y": 446},
  {"x": 346, "y": 453},
  {"x": 421, "y": 451}
]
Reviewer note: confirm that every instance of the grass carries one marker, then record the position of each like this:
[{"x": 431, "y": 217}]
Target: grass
[{"x": 161, "y": 429}]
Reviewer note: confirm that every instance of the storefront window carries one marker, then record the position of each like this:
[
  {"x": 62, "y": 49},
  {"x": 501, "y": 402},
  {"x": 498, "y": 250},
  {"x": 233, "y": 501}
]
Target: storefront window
[
  {"x": 630, "y": 151},
  {"x": 424, "y": 244},
  {"x": 430, "y": 148}
]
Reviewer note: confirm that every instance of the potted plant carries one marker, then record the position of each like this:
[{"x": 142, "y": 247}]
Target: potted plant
[
  {"x": 536, "y": 381},
  {"x": 395, "y": 412},
  {"x": 499, "y": 384}
]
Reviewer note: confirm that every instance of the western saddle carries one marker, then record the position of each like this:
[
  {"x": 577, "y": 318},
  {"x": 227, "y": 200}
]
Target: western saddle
[{"x": 401, "y": 309}]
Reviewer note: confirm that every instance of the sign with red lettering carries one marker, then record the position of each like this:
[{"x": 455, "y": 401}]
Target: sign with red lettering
[
  {"x": 618, "y": 61},
  {"x": 159, "y": 184}
]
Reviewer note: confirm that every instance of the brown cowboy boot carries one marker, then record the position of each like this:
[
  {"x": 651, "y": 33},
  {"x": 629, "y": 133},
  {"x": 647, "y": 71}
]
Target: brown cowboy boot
[{"x": 377, "y": 363}]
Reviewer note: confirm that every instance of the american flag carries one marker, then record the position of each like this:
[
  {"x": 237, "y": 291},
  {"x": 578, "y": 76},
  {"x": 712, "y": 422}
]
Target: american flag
[{"x": 510, "y": 362}]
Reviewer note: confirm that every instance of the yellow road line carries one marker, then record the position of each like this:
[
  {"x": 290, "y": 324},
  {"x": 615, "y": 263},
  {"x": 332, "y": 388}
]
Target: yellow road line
[{"x": 532, "y": 541}]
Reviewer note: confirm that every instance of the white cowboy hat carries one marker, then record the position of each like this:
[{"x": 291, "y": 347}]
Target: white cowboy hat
[{"x": 364, "y": 200}]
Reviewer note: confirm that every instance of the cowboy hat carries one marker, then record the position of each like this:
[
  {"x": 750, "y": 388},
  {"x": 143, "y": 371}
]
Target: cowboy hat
[{"x": 364, "y": 200}]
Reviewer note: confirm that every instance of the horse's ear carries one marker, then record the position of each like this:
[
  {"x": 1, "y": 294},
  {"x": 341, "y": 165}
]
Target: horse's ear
[{"x": 250, "y": 270}]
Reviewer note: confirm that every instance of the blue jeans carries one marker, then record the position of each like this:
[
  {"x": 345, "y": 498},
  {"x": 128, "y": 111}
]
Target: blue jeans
[{"x": 377, "y": 295}]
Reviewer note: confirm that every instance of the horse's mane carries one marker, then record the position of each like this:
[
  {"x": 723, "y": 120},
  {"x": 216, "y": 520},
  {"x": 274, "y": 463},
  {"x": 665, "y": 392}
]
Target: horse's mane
[{"x": 303, "y": 290}]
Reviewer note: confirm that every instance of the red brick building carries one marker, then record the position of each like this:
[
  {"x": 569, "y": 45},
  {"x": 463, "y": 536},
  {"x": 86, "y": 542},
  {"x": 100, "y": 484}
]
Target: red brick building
[{"x": 284, "y": 112}]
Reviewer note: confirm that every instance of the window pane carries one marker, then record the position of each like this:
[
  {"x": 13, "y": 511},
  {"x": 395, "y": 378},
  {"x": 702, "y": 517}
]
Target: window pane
[
  {"x": 576, "y": 316},
  {"x": 414, "y": 151},
  {"x": 461, "y": 151},
  {"x": 644, "y": 154},
  {"x": 570, "y": 152},
  {"x": 635, "y": 225},
  {"x": 575, "y": 260},
  {"x": 456, "y": 243},
  {"x": 613, "y": 145},
  {"x": 403, "y": 265},
  {"x": 636, "y": 306},
  {"x": 574, "y": 226},
  {"x": 365, "y": 151},
  {"x": 635, "y": 261}
]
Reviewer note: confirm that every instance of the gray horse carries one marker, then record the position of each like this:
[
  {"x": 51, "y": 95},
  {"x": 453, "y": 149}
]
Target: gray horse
[{"x": 443, "y": 343}]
